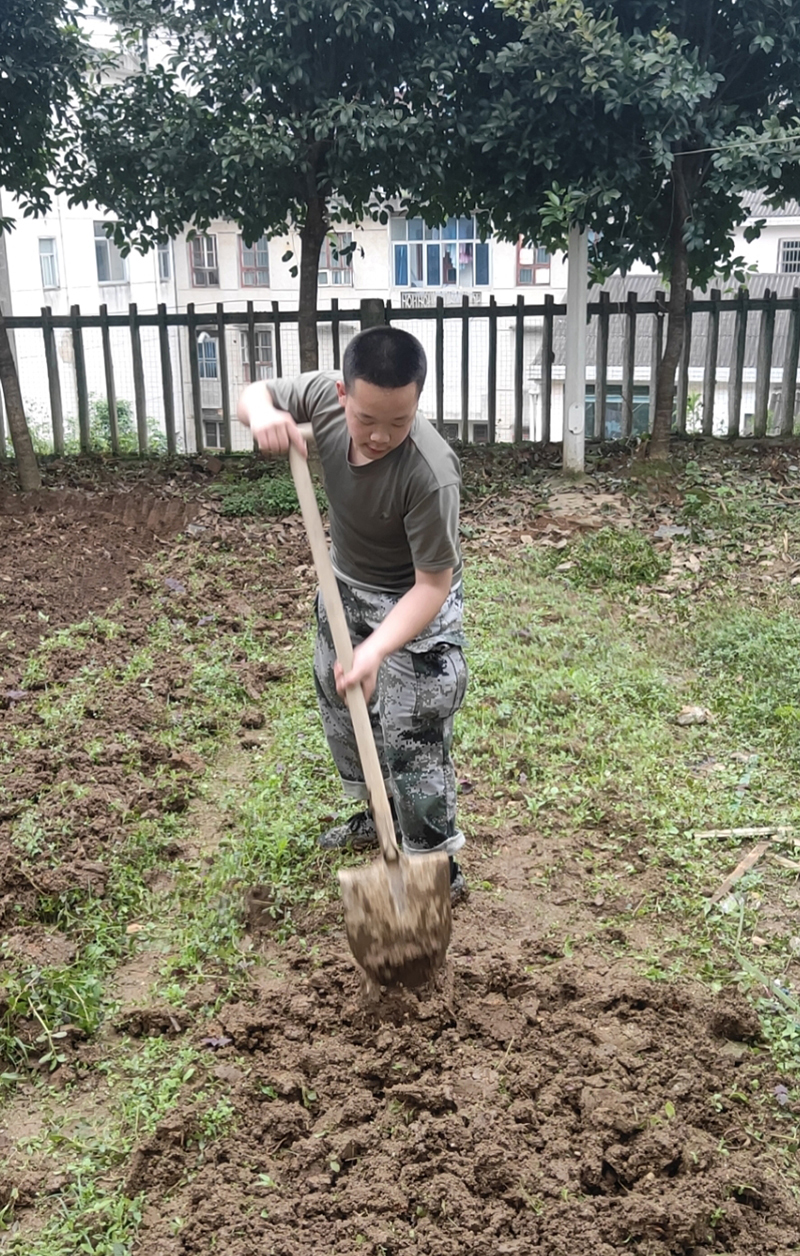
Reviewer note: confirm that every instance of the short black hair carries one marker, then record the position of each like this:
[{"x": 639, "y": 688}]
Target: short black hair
[{"x": 386, "y": 357}]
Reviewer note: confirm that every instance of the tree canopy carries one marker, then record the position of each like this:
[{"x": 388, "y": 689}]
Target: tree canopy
[
  {"x": 274, "y": 112},
  {"x": 644, "y": 121},
  {"x": 43, "y": 56},
  {"x": 43, "y": 60}
]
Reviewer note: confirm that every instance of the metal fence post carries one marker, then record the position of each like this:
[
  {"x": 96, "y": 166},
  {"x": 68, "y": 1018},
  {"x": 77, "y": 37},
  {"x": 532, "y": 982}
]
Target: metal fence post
[
  {"x": 682, "y": 401},
  {"x": 223, "y": 379},
  {"x": 491, "y": 386},
  {"x": 194, "y": 376},
  {"x": 465, "y": 370},
  {"x": 629, "y": 367},
  {"x": 166, "y": 379}
]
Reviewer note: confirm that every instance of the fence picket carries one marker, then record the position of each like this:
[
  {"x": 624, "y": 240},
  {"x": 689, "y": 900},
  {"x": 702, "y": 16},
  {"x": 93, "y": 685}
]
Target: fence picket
[
  {"x": 656, "y": 354},
  {"x": 465, "y": 370},
  {"x": 194, "y": 376},
  {"x": 491, "y": 383},
  {"x": 166, "y": 379},
  {"x": 337, "y": 356},
  {"x": 440, "y": 364},
  {"x": 547, "y": 368},
  {"x": 601, "y": 368},
  {"x": 737, "y": 366},
  {"x": 764, "y": 364},
  {"x": 79, "y": 358},
  {"x": 519, "y": 351},
  {"x": 710, "y": 370},
  {"x": 139, "y": 394},
  {"x": 789, "y": 383},
  {"x": 108, "y": 370},
  {"x": 682, "y": 400},
  {"x": 222, "y": 350},
  {"x": 53, "y": 381},
  {"x": 629, "y": 365},
  {"x": 276, "y": 326}
]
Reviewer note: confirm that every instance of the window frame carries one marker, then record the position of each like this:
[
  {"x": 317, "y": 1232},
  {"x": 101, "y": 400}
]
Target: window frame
[
  {"x": 254, "y": 269},
  {"x": 264, "y": 340},
  {"x": 208, "y": 243},
  {"x": 335, "y": 265},
  {"x": 219, "y": 425},
  {"x": 112, "y": 254},
  {"x": 793, "y": 241},
  {"x": 204, "y": 360},
  {"x": 535, "y": 267},
  {"x": 164, "y": 254},
  {"x": 425, "y": 254},
  {"x": 51, "y": 257}
]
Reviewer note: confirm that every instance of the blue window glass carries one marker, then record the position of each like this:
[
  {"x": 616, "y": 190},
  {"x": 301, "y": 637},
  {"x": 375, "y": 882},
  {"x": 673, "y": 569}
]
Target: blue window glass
[
  {"x": 434, "y": 268},
  {"x": 415, "y": 228},
  {"x": 466, "y": 228},
  {"x": 449, "y": 230},
  {"x": 482, "y": 263},
  {"x": 401, "y": 265}
]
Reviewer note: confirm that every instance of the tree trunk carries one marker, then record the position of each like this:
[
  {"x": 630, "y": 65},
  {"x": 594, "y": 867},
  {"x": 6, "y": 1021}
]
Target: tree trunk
[
  {"x": 27, "y": 466},
  {"x": 312, "y": 235},
  {"x": 658, "y": 446}
]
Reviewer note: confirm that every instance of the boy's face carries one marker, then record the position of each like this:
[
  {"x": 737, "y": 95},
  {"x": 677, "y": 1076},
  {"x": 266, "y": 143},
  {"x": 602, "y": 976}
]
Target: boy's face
[{"x": 378, "y": 419}]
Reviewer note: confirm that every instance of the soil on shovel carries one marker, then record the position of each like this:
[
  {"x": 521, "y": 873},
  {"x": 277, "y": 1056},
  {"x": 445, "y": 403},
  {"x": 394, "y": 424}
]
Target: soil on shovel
[{"x": 532, "y": 1104}]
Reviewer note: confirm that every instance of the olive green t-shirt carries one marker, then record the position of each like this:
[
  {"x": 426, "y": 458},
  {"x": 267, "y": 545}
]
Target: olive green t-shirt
[{"x": 391, "y": 517}]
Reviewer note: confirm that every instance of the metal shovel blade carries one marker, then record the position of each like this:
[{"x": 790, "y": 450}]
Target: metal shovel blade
[{"x": 397, "y": 917}]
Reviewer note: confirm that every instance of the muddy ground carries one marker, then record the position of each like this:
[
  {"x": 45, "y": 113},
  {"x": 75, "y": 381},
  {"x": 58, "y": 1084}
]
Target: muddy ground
[{"x": 536, "y": 1102}]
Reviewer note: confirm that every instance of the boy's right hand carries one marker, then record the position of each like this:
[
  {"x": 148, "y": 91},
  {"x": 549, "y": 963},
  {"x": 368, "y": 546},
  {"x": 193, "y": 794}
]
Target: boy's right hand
[{"x": 273, "y": 430}]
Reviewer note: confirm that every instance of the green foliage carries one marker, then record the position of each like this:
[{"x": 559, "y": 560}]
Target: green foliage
[
  {"x": 44, "y": 59},
  {"x": 270, "y": 495},
  {"x": 621, "y": 116},
  {"x": 614, "y": 557},
  {"x": 100, "y": 430}
]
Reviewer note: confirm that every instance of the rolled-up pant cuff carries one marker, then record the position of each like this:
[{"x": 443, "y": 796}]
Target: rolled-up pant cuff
[
  {"x": 358, "y": 789},
  {"x": 450, "y": 845}
]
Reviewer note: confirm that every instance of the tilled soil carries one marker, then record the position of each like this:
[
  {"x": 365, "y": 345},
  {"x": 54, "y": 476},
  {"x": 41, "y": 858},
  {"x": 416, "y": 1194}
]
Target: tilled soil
[{"x": 531, "y": 1104}]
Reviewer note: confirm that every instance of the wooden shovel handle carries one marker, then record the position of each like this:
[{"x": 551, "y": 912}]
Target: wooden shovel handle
[{"x": 370, "y": 763}]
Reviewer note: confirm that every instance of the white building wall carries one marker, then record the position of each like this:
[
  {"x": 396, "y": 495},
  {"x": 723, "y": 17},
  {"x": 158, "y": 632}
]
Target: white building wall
[{"x": 78, "y": 284}]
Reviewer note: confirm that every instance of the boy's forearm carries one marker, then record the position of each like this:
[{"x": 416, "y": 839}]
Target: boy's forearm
[{"x": 412, "y": 614}]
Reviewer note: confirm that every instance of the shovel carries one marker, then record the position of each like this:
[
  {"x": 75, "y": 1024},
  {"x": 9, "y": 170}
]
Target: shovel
[{"x": 397, "y": 912}]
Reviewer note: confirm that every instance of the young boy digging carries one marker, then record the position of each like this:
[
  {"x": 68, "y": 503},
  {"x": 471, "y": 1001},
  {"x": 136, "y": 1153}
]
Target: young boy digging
[{"x": 393, "y": 487}]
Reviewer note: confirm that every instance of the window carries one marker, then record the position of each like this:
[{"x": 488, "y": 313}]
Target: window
[
  {"x": 641, "y": 410},
  {"x": 333, "y": 267},
  {"x": 164, "y": 262},
  {"x": 480, "y": 433},
  {"x": 789, "y": 257},
  {"x": 207, "y": 356},
  {"x": 48, "y": 263},
  {"x": 254, "y": 262},
  {"x": 214, "y": 435},
  {"x": 111, "y": 266},
  {"x": 452, "y": 256},
  {"x": 533, "y": 264},
  {"x": 264, "y": 359},
  {"x": 203, "y": 254}
]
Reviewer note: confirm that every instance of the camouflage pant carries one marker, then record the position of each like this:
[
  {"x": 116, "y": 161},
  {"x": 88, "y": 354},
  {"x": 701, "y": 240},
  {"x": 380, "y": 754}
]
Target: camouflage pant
[{"x": 419, "y": 690}]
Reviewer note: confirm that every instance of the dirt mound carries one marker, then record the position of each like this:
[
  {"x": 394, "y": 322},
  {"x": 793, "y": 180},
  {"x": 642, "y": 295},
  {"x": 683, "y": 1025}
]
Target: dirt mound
[{"x": 511, "y": 1112}]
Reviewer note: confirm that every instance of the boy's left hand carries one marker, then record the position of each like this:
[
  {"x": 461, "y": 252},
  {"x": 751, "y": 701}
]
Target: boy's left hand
[{"x": 364, "y": 672}]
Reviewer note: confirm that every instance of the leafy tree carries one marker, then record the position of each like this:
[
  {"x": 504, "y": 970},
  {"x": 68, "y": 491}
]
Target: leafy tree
[
  {"x": 43, "y": 55},
  {"x": 272, "y": 113},
  {"x": 647, "y": 119}
]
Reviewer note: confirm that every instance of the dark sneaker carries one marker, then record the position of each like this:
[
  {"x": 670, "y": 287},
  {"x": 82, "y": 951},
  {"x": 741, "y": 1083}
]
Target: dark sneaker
[
  {"x": 459, "y": 890},
  {"x": 357, "y": 833}
]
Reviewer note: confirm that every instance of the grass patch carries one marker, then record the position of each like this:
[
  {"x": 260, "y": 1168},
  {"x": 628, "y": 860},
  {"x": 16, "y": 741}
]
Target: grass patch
[
  {"x": 611, "y": 558},
  {"x": 272, "y": 494}
]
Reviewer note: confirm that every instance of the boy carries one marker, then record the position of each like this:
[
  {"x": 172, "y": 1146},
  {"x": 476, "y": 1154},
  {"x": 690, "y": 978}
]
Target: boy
[{"x": 393, "y": 487}]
